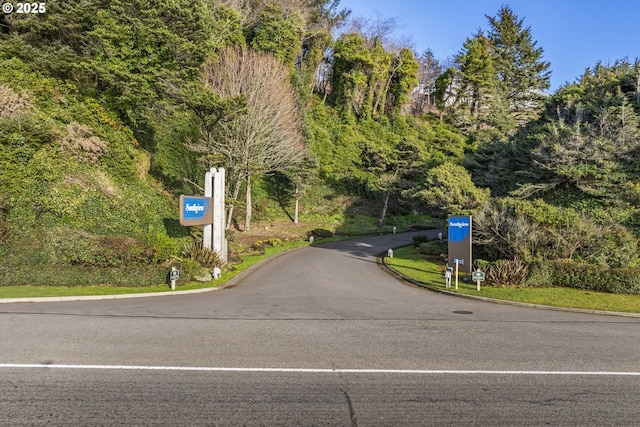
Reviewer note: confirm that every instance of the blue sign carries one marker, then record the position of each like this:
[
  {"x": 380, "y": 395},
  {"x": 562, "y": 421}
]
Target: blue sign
[
  {"x": 196, "y": 210},
  {"x": 459, "y": 228}
]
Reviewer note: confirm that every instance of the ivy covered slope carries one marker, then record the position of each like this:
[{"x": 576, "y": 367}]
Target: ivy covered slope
[
  {"x": 77, "y": 203},
  {"x": 92, "y": 138}
]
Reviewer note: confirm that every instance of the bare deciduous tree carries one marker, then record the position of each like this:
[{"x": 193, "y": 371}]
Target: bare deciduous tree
[
  {"x": 428, "y": 71},
  {"x": 268, "y": 136}
]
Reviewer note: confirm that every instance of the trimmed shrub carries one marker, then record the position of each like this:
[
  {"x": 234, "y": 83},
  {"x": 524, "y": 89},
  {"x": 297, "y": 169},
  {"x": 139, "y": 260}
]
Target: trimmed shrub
[
  {"x": 432, "y": 248},
  {"x": 419, "y": 239}
]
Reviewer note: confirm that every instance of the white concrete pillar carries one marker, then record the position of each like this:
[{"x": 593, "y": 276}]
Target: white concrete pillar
[
  {"x": 207, "y": 233},
  {"x": 219, "y": 213}
]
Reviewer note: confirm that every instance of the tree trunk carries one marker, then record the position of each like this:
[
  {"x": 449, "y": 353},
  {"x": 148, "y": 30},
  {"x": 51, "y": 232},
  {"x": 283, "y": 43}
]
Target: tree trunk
[
  {"x": 247, "y": 220},
  {"x": 236, "y": 191},
  {"x": 384, "y": 208},
  {"x": 295, "y": 215}
]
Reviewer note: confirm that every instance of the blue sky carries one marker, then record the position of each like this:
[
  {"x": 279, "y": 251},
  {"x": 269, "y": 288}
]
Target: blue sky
[{"x": 575, "y": 34}]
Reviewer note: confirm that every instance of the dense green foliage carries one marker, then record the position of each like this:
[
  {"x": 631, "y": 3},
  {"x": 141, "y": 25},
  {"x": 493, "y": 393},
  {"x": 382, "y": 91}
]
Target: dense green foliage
[
  {"x": 585, "y": 276},
  {"x": 498, "y": 81},
  {"x": 105, "y": 107}
]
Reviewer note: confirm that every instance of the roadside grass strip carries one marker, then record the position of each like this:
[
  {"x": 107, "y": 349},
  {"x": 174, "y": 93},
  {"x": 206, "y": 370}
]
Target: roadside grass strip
[{"x": 429, "y": 271}]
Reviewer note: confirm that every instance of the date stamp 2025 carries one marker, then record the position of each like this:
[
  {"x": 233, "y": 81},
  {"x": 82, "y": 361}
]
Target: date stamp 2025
[{"x": 24, "y": 8}]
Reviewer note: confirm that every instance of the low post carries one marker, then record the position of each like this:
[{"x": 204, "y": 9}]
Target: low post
[
  {"x": 311, "y": 239},
  {"x": 394, "y": 229},
  {"x": 390, "y": 253},
  {"x": 217, "y": 273},
  {"x": 478, "y": 276},
  {"x": 447, "y": 277},
  {"x": 457, "y": 274},
  {"x": 174, "y": 276}
]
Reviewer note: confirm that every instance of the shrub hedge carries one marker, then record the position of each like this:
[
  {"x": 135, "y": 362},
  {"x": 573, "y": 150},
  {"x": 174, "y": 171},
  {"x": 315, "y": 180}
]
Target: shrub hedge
[
  {"x": 570, "y": 274},
  {"x": 64, "y": 275},
  {"x": 432, "y": 248}
]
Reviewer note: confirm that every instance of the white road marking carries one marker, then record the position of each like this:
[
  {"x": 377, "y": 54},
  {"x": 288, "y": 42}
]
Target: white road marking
[{"x": 315, "y": 370}]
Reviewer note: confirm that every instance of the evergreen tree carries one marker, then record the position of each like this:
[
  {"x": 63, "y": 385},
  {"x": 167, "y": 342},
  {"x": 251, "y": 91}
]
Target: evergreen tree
[
  {"x": 522, "y": 73},
  {"x": 477, "y": 76},
  {"x": 448, "y": 189},
  {"x": 279, "y": 31}
]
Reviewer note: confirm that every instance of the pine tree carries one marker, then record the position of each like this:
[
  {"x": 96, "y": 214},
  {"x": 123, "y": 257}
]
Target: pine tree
[
  {"x": 522, "y": 73},
  {"x": 477, "y": 78}
]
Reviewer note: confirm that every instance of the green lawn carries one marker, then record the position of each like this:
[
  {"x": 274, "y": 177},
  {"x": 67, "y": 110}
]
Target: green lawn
[{"x": 430, "y": 271}]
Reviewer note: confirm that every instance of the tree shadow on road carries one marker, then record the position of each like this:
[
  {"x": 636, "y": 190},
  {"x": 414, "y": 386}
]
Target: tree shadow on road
[{"x": 364, "y": 248}]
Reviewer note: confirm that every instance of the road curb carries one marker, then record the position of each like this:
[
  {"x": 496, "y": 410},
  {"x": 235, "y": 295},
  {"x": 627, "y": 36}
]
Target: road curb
[{"x": 381, "y": 261}]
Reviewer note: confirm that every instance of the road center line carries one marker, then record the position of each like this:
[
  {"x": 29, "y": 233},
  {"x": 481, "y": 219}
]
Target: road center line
[{"x": 316, "y": 370}]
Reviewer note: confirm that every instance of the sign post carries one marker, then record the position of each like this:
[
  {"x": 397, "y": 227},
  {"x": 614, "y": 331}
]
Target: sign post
[
  {"x": 174, "y": 276},
  {"x": 459, "y": 240},
  {"x": 477, "y": 276},
  {"x": 459, "y": 243},
  {"x": 457, "y": 262},
  {"x": 208, "y": 211}
]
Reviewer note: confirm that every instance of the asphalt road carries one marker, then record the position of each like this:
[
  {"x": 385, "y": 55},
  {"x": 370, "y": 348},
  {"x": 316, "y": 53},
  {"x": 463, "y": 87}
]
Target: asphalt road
[{"x": 318, "y": 336}]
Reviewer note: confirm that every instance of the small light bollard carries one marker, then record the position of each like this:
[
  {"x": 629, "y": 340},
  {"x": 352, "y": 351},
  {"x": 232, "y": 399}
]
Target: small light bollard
[
  {"x": 174, "y": 276},
  {"x": 395, "y": 229},
  {"x": 390, "y": 253},
  {"x": 216, "y": 273},
  {"x": 440, "y": 236},
  {"x": 447, "y": 277},
  {"x": 311, "y": 239}
]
